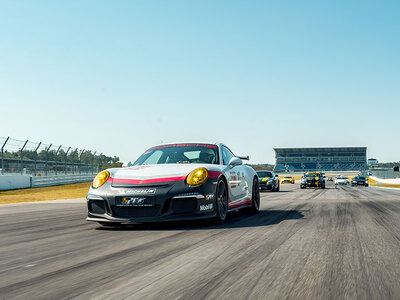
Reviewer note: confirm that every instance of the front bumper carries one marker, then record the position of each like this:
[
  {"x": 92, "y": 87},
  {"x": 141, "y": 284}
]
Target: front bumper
[
  {"x": 264, "y": 185},
  {"x": 159, "y": 202},
  {"x": 311, "y": 183}
]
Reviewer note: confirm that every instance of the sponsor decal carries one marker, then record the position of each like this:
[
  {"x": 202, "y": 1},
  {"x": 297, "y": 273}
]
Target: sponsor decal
[
  {"x": 138, "y": 191},
  {"x": 134, "y": 201},
  {"x": 206, "y": 207}
]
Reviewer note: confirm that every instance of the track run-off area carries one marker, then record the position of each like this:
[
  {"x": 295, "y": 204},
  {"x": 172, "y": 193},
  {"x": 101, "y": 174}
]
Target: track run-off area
[{"x": 337, "y": 243}]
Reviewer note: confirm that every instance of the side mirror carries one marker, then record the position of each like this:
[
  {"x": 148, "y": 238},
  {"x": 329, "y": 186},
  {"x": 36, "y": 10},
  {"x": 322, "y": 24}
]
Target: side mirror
[
  {"x": 235, "y": 161},
  {"x": 127, "y": 164}
]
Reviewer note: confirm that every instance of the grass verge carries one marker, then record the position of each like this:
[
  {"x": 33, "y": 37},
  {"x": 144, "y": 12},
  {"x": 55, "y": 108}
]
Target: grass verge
[{"x": 67, "y": 191}]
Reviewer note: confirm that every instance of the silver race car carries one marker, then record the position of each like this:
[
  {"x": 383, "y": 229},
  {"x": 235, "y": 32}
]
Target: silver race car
[{"x": 174, "y": 182}]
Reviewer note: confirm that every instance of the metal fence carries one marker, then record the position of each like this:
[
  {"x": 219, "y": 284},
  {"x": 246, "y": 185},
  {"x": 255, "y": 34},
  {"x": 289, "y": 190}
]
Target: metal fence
[{"x": 40, "y": 159}]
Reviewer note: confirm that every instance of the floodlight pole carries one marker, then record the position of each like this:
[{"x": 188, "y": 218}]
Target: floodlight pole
[
  {"x": 65, "y": 161},
  {"x": 22, "y": 163},
  {"x": 36, "y": 155},
  {"x": 2, "y": 155}
]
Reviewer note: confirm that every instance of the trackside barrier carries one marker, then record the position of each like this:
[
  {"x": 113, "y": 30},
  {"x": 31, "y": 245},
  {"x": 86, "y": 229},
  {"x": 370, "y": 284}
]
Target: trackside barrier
[
  {"x": 13, "y": 182},
  {"x": 38, "y": 181},
  {"x": 374, "y": 181}
]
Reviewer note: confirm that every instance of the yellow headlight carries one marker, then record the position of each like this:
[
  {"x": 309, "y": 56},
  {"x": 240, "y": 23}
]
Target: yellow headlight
[
  {"x": 317, "y": 178},
  {"x": 100, "y": 179},
  {"x": 197, "y": 177}
]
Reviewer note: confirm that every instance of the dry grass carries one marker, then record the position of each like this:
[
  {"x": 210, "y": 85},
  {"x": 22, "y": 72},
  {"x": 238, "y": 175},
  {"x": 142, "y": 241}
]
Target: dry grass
[{"x": 67, "y": 191}]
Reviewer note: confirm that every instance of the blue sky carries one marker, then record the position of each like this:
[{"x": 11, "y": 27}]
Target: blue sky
[{"x": 121, "y": 76}]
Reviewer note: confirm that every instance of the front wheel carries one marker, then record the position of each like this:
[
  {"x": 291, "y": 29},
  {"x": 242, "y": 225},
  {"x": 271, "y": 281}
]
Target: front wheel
[
  {"x": 222, "y": 202},
  {"x": 255, "y": 197}
]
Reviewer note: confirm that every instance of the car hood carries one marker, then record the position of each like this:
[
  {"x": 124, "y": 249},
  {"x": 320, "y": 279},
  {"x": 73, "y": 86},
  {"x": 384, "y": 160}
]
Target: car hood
[
  {"x": 162, "y": 171},
  {"x": 311, "y": 177},
  {"x": 264, "y": 178}
]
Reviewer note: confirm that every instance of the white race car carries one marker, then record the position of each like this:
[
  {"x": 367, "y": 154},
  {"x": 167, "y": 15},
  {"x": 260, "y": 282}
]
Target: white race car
[
  {"x": 342, "y": 180},
  {"x": 174, "y": 182}
]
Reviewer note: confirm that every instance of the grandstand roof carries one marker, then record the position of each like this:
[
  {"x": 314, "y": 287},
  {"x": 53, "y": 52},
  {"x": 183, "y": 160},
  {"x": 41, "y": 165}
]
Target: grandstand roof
[{"x": 322, "y": 149}]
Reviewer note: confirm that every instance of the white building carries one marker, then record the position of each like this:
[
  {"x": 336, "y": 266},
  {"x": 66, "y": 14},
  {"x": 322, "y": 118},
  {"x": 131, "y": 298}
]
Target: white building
[{"x": 372, "y": 162}]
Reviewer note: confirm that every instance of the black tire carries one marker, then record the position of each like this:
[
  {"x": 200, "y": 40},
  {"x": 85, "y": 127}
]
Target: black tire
[
  {"x": 255, "y": 197},
  {"x": 278, "y": 188},
  {"x": 221, "y": 197},
  {"x": 302, "y": 187},
  {"x": 110, "y": 224},
  {"x": 323, "y": 186}
]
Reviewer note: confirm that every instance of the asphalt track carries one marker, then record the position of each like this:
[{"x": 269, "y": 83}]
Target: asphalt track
[{"x": 339, "y": 243}]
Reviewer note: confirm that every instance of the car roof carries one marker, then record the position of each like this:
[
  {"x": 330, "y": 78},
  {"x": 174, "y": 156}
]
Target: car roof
[{"x": 181, "y": 143}]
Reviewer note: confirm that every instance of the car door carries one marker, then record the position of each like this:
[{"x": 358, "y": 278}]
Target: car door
[{"x": 233, "y": 174}]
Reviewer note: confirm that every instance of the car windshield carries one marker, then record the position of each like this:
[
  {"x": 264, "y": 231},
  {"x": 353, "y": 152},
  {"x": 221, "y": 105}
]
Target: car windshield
[
  {"x": 361, "y": 178},
  {"x": 179, "y": 153},
  {"x": 288, "y": 177},
  {"x": 312, "y": 174},
  {"x": 264, "y": 174}
]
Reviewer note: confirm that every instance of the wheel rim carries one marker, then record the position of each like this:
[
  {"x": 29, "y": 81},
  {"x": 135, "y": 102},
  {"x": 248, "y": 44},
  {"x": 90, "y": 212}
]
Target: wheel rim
[
  {"x": 222, "y": 203},
  {"x": 256, "y": 196}
]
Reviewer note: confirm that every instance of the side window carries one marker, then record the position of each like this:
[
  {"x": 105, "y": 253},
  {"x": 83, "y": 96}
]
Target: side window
[{"x": 226, "y": 155}]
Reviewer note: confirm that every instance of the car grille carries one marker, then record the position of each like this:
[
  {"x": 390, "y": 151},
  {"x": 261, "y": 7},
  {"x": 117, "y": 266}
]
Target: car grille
[{"x": 135, "y": 212}]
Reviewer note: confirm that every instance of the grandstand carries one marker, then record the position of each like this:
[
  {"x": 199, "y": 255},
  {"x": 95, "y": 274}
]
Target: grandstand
[{"x": 320, "y": 159}]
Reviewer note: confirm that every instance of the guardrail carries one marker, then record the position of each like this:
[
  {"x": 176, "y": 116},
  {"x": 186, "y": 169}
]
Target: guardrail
[
  {"x": 18, "y": 181},
  {"x": 38, "y": 181}
]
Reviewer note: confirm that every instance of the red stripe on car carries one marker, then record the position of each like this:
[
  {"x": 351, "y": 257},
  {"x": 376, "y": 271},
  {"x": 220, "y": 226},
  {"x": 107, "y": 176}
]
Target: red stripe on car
[
  {"x": 211, "y": 174},
  {"x": 244, "y": 202},
  {"x": 145, "y": 181}
]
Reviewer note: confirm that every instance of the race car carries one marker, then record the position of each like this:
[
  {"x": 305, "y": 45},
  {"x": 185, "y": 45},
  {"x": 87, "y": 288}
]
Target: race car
[
  {"x": 174, "y": 182},
  {"x": 359, "y": 180},
  {"x": 342, "y": 180},
  {"x": 268, "y": 181},
  {"x": 313, "y": 179},
  {"x": 288, "y": 179}
]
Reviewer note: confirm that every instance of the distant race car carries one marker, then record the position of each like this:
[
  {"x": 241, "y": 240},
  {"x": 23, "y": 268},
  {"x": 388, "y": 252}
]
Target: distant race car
[
  {"x": 359, "y": 180},
  {"x": 342, "y": 180},
  {"x": 268, "y": 181},
  {"x": 174, "y": 182},
  {"x": 313, "y": 179},
  {"x": 288, "y": 179}
]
